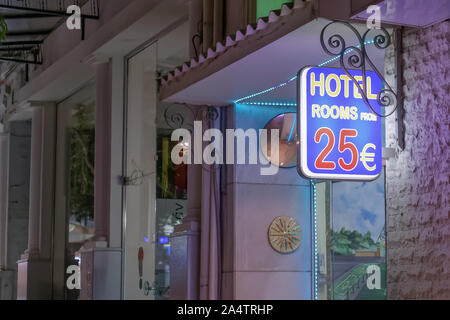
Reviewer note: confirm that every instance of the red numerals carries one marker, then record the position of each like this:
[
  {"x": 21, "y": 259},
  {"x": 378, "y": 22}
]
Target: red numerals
[
  {"x": 320, "y": 161},
  {"x": 344, "y": 146}
]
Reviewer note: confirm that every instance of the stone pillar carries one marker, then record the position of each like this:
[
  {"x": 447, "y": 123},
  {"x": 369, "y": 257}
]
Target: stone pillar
[{"x": 35, "y": 267}]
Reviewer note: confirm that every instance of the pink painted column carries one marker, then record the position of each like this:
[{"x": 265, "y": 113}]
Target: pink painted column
[
  {"x": 34, "y": 280},
  {"x": 102, "y": 151},
  {"x": 102, "y": 183},
  {"x": 185, "y": 241},
  {"x": 35, "y": 181},
  {"x": 210, "y": 259}
]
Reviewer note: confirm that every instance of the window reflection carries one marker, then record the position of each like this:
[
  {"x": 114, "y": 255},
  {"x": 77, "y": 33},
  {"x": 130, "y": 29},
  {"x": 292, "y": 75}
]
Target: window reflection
[{"x": 80, "y": 137}]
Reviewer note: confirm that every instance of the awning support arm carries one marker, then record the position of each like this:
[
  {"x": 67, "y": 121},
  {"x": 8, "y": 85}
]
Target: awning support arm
[{"x": 336, "y": 46}]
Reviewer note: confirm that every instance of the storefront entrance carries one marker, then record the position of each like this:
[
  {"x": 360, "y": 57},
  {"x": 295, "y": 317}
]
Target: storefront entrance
[{"x": 155, "y": 190}]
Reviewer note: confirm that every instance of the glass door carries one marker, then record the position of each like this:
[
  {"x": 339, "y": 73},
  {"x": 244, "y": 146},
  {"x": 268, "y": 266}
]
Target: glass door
[
  {"x": 155, "y": 189},
  {"x": 140, "y": 190}
]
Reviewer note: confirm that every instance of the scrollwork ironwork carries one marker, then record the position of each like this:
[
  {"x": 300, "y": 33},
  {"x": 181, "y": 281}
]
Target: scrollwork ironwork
[
  {"x": 176, "y": 119},
  {"x": 336, "y": 46},
  {"x": 211, "y": 114}
]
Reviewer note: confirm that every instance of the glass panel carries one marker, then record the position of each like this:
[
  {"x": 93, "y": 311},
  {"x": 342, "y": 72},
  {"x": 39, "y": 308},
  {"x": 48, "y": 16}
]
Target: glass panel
[
  {"x": 358, "y": 241},
  {"x": 140, "y": 214},
  {"x": 172, "y": 179},
  {"x": 351, "y": 242},
  {"x": 81, "y": 143},
  {"x": 170, "y": 207},
  {"x": 155, "y": 199},
  {"x": 75, "y": 183}
]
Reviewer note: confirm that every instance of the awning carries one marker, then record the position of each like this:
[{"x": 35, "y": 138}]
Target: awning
[
  {"x": 185, "y": 84},
  {"x": 260, "y": 66},
  {"x": 30, "y": 22}
]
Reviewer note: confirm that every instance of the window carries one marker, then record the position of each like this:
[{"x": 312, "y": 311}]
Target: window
[
  {"x": 351, "y": 242},
  {"x": 74, "y": 221}
]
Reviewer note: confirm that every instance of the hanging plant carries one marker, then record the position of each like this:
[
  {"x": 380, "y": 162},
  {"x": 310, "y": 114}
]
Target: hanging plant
[{"x": 3, "y": 28}]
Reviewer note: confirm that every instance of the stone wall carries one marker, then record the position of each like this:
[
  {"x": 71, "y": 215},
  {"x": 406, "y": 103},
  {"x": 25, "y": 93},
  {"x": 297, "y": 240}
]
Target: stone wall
[{"x": 418, "y": 188}]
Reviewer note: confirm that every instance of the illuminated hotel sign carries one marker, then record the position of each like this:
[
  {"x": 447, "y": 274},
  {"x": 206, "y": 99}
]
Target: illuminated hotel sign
[{"x": 340, "y": 138}]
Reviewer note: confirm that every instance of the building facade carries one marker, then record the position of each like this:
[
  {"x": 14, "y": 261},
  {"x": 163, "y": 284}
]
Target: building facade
[
  {"x": 62, "y": 124},
  {"x": 93, "y": 207}
]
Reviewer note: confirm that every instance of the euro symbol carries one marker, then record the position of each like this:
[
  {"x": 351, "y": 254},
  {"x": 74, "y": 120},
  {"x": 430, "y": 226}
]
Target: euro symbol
[{"x": 368, "y": 157}]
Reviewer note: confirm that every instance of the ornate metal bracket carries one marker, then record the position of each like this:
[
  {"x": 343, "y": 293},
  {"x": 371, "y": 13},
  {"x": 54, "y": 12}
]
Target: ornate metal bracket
[
  {"x": 175, "y": 119},
  {"x": 358, "y": 59}
]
